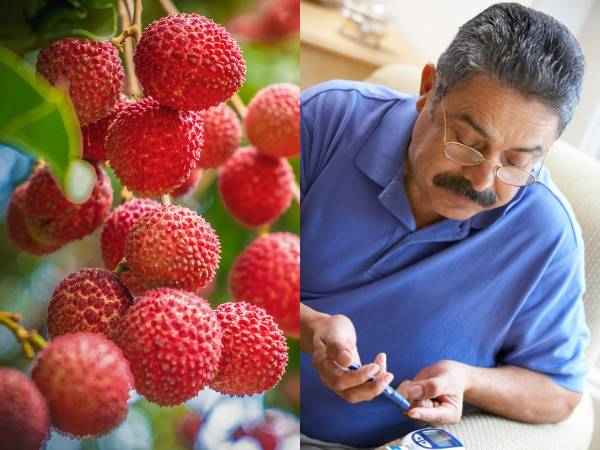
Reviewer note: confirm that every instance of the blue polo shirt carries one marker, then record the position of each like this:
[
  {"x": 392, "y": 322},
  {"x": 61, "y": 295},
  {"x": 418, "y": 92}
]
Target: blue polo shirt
[{"x": 501, "y": 288}]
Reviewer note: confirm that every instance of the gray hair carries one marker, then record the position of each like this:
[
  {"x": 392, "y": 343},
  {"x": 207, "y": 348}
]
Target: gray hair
[{"x": 522, "y": 49}]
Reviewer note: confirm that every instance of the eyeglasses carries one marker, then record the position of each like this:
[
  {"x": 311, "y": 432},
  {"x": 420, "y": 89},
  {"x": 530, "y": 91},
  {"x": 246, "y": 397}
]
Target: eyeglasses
[{"x": 468, "y": 156}]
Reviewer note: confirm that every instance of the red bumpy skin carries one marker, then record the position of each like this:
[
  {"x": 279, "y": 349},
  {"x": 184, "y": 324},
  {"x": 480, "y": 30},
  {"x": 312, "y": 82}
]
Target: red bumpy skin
[
  {"x": 153, "y": 149},
  {"x": 273, "y": 120},
  {"x": 17, "y": 226},
  {"x": 254, "y": 350},
  {"x": 222, "y": 136},
  {"x": 86, "y": 381},
  {"x": 189, "y": 184},
  {"x": 267, "y": 274},
  {"x": 92, "y": 300},
  {"x": 94, "y": 135},
  {"x": 53, "y": 220},
  {"x": 92, "y": 72},
  {"x": 188, "y": 62},
  {"x": 117, "y": 226},
  {"x": 255, "y": 189},
  {"x": 173, "y": 246},
  {"x": 172, "y": 340},
  {"x": 24, "y": 416}
]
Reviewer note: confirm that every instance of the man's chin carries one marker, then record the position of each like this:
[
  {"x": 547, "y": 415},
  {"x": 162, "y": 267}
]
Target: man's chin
[{"x": 458, "y": 209}]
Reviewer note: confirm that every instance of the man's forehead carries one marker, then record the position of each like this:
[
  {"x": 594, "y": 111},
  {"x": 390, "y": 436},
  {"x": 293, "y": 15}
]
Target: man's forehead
[{"x": 496, "y": 112}]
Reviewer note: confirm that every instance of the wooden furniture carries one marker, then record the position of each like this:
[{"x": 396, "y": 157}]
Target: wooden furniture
[{"x": 327, "y": 54}]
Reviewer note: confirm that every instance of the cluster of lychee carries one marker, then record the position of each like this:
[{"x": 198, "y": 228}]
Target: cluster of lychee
[{"x": 145, "y": 324}]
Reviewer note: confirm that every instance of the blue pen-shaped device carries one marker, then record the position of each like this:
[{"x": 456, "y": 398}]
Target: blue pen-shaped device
[{"x": 390, "y": 393}]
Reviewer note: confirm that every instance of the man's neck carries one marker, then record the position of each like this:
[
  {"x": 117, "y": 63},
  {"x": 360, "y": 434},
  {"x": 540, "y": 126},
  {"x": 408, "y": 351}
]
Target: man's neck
[{"x": 423, "y": 216}]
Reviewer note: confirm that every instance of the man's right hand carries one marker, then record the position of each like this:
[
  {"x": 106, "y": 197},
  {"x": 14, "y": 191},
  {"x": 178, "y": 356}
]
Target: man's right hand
[{"x": 332, "y": 342}]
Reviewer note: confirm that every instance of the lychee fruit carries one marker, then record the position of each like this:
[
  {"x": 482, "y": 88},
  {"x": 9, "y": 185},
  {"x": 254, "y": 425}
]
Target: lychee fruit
[
  {"x": 53, "y": 220},
  {"x": 117, "y": 226},
  {"x": 17, "y": 226},
  {"x": 222, "y": 135},
  {"x": 86, "y": 381},
  {"x": 254, "y": 350},
  {"x": 94, "y": 135},
  {"x": 189, "y": 184},
  {"x": 187, "y": 62},
  {"x": 24, "y": 416},
  {"x": 172, "y": 246},
  {"x": 153, "y": 149},
  {"x": 267, "y": 274},
  {"x": 255, "y": 188},
  {"x": 92, "y": 300},
  {"x": 172, "y": 340},
  {"x": 90, "y": 70},
  {"x": 187, "y": 428},
  {"x": 273, "y": 120}
]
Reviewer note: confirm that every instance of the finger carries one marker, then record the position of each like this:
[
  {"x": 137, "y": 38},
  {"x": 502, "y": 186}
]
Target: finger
[
  {"x": 342, "y": 352},
  {"x": 367, "y": 391},
  {"x": 429, "y": 388},
  {"x": 403, "y": 387},
  {"x": 340, "y": 379},
  {"x": 441, "y": 415}
]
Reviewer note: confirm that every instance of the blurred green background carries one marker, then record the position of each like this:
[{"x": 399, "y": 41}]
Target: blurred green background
[{"x": 26, "y": 282}]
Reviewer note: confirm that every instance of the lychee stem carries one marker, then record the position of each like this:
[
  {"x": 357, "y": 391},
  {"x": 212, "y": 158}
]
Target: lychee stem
[
  {"x": 264, "y": 230},
  {"x": 166, "y": 200},
  {"x": 137, "y": 19},
  {"x": 126, "y": 194},
  {"x": 30, "y": 340},
  {"x": 206, "y": 181},
  {"x": 133, "y": 85},
  {"x": 131, "y": 31},
  {"x": 239, "y": 105},
  {"x": 296, "y": 191},
  {"x": 168, "y": 6},
  {"x": 121, "y": 267}
]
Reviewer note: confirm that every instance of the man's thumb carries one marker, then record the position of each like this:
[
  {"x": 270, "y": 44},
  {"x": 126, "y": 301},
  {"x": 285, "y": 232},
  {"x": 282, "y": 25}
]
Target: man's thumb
[{"x": 340, "y": 353}]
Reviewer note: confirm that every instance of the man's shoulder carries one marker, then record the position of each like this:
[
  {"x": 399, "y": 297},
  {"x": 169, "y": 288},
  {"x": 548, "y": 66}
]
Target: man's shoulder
[
  {"x": 345, "y": 88},
  {"x": 549, "y": 212}
]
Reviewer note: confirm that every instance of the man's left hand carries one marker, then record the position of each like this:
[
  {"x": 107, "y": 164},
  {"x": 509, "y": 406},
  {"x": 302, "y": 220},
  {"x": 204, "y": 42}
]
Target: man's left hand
[{"x": 436, "y": 393}]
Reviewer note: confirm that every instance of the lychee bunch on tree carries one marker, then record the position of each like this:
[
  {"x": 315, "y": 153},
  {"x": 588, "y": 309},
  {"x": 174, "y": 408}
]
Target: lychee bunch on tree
[{"x": 141, "y": 323}]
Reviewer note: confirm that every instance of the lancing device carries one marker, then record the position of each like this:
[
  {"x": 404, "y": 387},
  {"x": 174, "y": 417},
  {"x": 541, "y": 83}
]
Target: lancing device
[{"x": 391, "y": 393}]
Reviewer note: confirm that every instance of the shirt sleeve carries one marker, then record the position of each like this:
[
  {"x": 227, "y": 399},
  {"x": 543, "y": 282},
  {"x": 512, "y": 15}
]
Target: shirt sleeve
[{"x": 549, "y": 335}]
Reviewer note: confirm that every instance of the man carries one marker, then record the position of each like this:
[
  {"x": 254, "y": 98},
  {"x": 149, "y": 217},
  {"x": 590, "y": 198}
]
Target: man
[{"x": 434, "y": 243}]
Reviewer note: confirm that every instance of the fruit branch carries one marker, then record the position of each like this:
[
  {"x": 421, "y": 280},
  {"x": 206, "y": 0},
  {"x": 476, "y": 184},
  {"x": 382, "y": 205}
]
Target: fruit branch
[
  {"x": 30, "y": 340},
  {"x": 166, "y": 200},
  {"x": 126, "y": 46},
  {"x": 168, "y": 6},
  {"x": 239, "y": 105},
  {"x": 296, "y": 191}
]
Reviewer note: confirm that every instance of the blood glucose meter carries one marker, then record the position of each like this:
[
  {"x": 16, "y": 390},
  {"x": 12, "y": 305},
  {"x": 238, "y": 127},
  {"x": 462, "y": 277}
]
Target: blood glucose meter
[{"x": 431, "y": 438}]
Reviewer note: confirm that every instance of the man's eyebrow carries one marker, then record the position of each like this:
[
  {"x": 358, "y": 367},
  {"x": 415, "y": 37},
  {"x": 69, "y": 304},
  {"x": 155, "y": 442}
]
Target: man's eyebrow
[{"x": 467, "y": 118}]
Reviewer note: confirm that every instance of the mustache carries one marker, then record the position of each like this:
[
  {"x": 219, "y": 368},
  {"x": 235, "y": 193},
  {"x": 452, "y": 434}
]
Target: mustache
[{"x": 462, "y": 186}]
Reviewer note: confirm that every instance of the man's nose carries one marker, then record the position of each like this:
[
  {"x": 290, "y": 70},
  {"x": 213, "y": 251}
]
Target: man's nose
[{"x": 482, "y": 176}]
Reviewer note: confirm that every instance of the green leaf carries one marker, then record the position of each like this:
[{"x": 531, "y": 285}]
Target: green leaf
[{"x": 39, "y": 120}]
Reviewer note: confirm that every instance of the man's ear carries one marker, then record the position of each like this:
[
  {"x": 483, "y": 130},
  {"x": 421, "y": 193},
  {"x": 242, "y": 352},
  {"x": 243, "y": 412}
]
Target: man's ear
[{"x": 427, "y": 82}]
